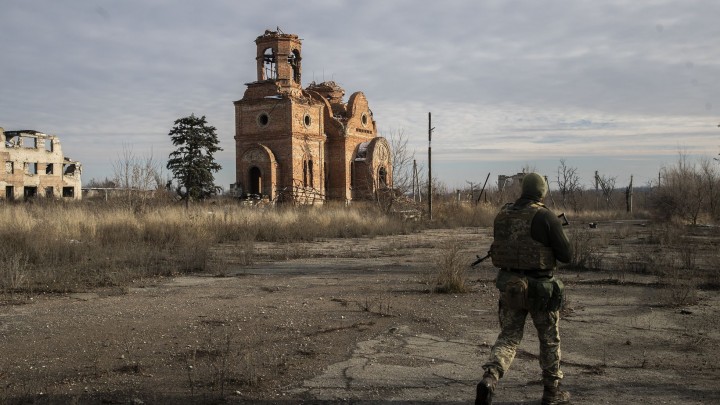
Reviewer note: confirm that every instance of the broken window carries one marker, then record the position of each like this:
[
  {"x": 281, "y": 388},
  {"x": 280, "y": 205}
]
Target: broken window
[
  {"x": 269, "y": 64},
  {"x": 31, "y": 168},
  {"x": 294, "y": 61},
  {"x": 12, "y": 140},
  {"x": 48, "y": 145},
  {"x": 9, "y": 167},
  {"x": 9, "y": 193},
  {"x": 68, "y": 192},
  {"x": 69, "y": 169},
  {"x": 49, "y": 192},
  {"x": 29, "y": 142},
  {"x": 29, "y": 192},
  {"x": 49, "y": 168}
]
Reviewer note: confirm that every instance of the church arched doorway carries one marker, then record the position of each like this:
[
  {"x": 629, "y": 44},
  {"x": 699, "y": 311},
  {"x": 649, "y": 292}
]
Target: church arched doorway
[{"x": 255, "y": 186}]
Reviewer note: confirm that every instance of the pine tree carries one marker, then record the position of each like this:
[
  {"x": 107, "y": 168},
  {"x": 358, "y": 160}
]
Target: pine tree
[{"x": 192, "y": 163}]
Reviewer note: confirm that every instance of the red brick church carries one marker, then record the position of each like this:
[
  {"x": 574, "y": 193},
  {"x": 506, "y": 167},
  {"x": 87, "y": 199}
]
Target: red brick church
[{"x": 304, "y": 145}]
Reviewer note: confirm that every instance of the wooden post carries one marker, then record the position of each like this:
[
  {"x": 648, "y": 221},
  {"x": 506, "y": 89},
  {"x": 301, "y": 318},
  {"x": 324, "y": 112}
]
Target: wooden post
[
  {"x": 629, "y": 195},
  {"x": 482, "y": 190},
  {"x": 597, "y": 177}
]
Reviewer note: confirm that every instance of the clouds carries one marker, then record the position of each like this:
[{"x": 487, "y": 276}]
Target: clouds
[{"x": 506, "y": 80}]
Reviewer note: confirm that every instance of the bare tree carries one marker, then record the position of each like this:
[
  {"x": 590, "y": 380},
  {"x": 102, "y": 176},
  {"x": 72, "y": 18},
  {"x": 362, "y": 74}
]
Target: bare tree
[
  {"x": 137, "y": 176},
  {"x": 404, "y": 173},
  {"x": 607, "y": 185},
  {"x": 402, "y": 159},
  {"x": 688, "y": 190},
  {"x": 568, "y": 184},
  {"x": 711, "y": 184}
]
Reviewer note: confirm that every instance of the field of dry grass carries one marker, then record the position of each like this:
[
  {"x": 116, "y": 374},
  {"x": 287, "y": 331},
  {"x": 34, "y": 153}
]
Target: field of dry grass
[{"x": 49, "y": 247}]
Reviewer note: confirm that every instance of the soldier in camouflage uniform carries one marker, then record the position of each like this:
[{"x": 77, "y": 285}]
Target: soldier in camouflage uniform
[{"x": 528, "y": 240}]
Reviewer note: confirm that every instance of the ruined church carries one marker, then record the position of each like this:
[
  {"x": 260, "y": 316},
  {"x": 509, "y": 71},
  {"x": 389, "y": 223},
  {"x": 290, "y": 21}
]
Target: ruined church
[{"x": 304, "y": 145}]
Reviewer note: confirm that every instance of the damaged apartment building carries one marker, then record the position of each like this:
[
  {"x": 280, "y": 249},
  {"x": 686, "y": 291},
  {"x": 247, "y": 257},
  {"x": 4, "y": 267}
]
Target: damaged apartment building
[
  {"x": 36, "y": 167},
  {"x": 305, "y": 145}
]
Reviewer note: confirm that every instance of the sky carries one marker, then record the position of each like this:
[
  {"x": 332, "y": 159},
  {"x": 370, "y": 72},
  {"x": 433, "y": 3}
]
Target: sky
[{"x": 618, "y": 87}]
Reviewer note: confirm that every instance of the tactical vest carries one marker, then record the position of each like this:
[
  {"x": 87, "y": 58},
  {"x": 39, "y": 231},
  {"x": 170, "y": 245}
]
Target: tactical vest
[{"x": 513, "y": 247}]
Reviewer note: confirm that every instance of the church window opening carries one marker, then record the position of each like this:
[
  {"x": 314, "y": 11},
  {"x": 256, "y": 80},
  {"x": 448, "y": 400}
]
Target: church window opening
[
  {"x": 311, "y": 173},
  {"x": 326, "y": 176},
  {"x": 364, "y": 119},
  {"x": 307, "y": 120},
  {"x": 352, "y": 176},
  {"x": 382, "y": 177},
  {"x": 269, "y": 64},
  {"x": 263, "y": 119},
  {"x": 294, "y": 61},
  {"x": 305, "y": 173},
  {"x": 308, "y": 173}
]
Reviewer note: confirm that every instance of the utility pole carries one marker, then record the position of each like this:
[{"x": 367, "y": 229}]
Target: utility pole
[{"x": 430, "y": 129}]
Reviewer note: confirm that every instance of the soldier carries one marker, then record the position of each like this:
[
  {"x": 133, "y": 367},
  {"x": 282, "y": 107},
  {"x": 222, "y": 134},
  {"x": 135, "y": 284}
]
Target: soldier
[{"x": 528, "y": 240}]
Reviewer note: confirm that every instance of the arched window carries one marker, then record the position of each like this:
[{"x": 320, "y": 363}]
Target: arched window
[
  {"x": 305, "y": 173},
  {"x": 255, "y": 186},
  {"x": 326, "y": 176},
  {"x": 308, "y": 173},
  {"x": 269, "y": 64},
  {"x": 294, "y": 61},
  {"x": 311, "y": 171},
  {"x": 382, "y": 177}
]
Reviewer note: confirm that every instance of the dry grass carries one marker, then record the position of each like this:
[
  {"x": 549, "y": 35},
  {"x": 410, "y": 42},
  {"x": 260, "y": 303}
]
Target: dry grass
[
  {"x": 450, "y": 214},
  {"x": 587, "y": 216},
  {"x": 587, "y": 245},
  {"x": 73, "y": 247},
  {"x": 450, "y": 273}
]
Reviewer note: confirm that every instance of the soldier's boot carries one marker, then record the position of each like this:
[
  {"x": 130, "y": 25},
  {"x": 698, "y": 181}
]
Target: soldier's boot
[
  {"x": 486, "y": 389},
  {"x": 553, "y": 395}
]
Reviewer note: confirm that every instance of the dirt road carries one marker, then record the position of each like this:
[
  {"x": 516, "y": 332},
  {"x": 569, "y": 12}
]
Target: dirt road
[{"x": 348, "y": 321}]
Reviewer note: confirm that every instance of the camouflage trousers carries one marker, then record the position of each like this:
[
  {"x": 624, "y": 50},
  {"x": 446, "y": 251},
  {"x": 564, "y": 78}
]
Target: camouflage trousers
[{"x": 512, "y": 323}]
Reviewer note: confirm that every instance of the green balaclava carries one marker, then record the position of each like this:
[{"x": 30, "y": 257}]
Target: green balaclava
[{"x": 534, "y": 186}]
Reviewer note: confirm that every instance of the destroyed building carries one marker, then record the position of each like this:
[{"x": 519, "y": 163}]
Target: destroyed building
[
  {"x": 304, "y": 145},
  {"x": 505, "y": 181},
  {"x": 35, "y": 167}
]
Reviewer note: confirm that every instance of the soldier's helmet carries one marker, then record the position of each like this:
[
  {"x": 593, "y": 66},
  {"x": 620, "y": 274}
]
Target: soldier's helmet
[{"x": 534, "y": 186}]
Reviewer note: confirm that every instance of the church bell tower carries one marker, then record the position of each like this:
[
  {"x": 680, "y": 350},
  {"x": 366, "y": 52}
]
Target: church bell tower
[{"x": 278, "y": 58}]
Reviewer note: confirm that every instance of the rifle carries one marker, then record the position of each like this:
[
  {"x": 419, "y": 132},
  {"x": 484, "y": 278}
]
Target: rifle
[
  {"x": 480, "y": 259},
  {"x": 563, "y": 219}
]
